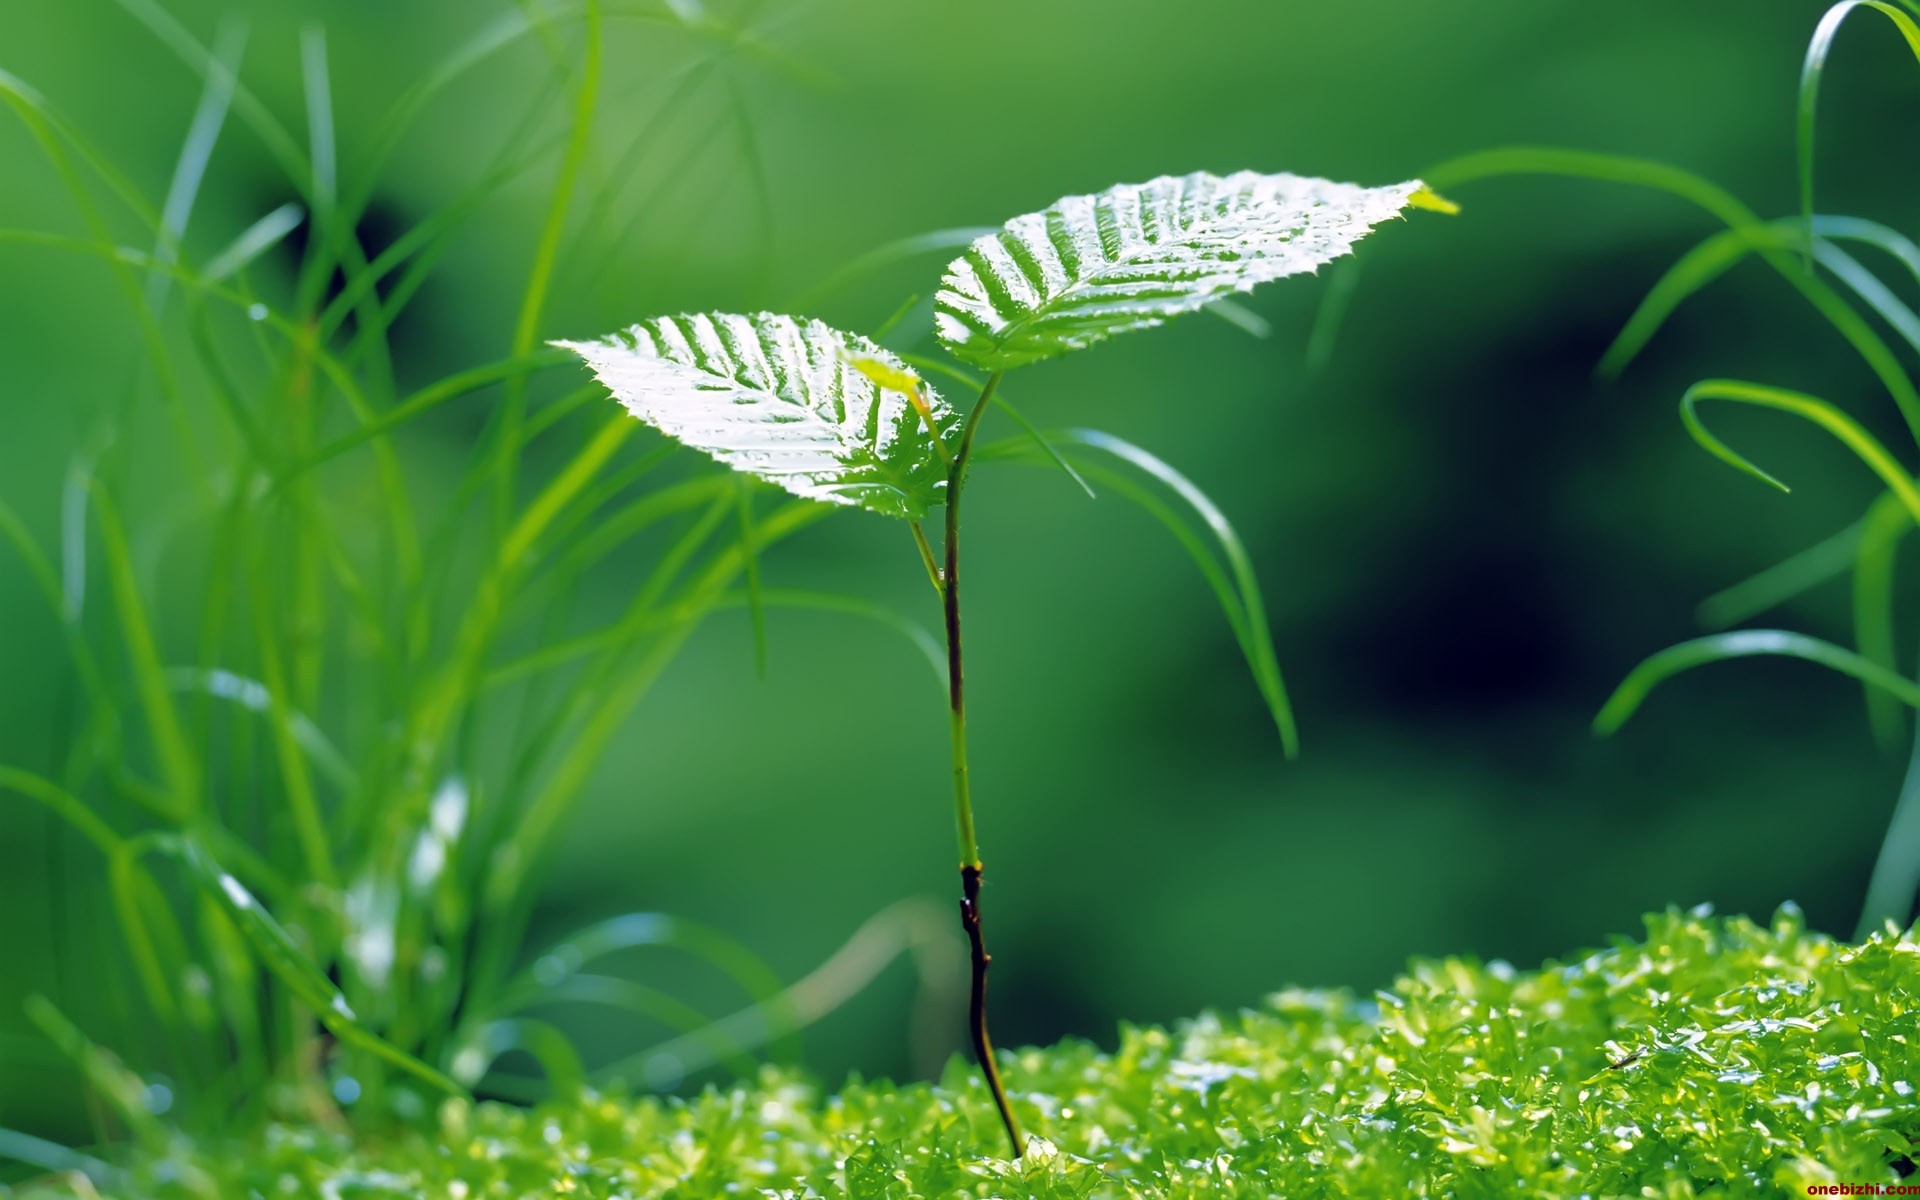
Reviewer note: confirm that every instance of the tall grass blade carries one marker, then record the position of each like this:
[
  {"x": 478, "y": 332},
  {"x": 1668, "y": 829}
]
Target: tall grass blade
[
  {"x": 253, "y": 241},
  {"x": 533, "y": 299},
  {"x": 1236, "y": 587},
  {"x": 1876, "y": 555},
  {"x": 282, "y": 956},
  {"x": 1724, "y": 207},
  {"x": 1814, "y": 69},
  {"x": 119, "y": 1087},
  {"x": 1895, "y": 880},
  {"x": 178, "y": 764},
  {"x": 190, "y": 169},
  {"x": 1826, "y": 559}
]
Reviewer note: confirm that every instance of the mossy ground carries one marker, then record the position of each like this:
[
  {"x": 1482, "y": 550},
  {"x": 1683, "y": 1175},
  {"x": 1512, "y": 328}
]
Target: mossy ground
[{"x": 1714, "y": 1057}]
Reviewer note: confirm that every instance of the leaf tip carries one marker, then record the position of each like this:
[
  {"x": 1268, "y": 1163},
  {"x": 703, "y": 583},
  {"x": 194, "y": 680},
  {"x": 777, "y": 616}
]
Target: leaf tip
[{"x": 1426, "y": 198}]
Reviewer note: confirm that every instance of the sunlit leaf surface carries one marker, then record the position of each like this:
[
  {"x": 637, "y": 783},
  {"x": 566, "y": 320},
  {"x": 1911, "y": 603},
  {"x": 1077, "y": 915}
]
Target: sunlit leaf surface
[
  {"x": 784, "y": 400},
  {"x": 1130, "y": 257}
]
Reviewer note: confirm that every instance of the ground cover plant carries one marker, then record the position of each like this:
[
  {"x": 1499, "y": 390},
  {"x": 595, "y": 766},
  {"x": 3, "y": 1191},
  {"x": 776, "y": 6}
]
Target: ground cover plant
[
  {"x": 324, "y": 825},
  {"x": 1709, "y": 1057}
]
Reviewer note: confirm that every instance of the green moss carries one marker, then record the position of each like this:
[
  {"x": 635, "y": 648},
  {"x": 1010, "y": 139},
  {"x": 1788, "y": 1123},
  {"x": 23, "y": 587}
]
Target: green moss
[{"x": 1715, "y": 1057}]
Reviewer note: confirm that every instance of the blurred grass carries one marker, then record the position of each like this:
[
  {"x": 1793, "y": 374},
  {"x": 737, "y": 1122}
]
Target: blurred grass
[{"x": 1465, "y": 541}]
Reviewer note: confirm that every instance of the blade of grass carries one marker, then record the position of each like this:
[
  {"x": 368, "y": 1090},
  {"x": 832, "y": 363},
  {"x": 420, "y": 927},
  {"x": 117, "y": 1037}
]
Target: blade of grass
[
  {"x": 169, "y": 32},
  {"x": 1810, "y": 408},
  {"x": 1237, "y": 587},
  {"x": 566, "y": 1074},
  {"x": 1895, "y": 879},
  {"x": 1826, "y": 559},
  {"x": 1877, "y": 553},
  {"x": 563, "y": 963},
  {"x": 1742, "y": 643},
  {"x": 190, "y": 168},
  {"x": 910, "y": 926},
  {"x": 596, "y": 711},
  {"x": 254, "y": 696},
  {"x": 1725, "y": 208},
  {"x": 178, "y": 765},
  {"x": 54, "y": 1158},
  {"x": 751, "y": 557},
  {"x": 885, "y": 255},
  {"x": 534, "y": 298},
  {"x": 648, "y": 1003},
  {"x": 86, "y": 666},
  {"x": 1342, "y": 281},
  {"x": 1814, "y": 68},
  {"x": 119, "y": 1087}
]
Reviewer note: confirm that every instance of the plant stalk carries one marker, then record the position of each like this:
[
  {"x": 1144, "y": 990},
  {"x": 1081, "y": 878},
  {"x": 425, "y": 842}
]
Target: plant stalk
[{"x": 971, "y": 867}]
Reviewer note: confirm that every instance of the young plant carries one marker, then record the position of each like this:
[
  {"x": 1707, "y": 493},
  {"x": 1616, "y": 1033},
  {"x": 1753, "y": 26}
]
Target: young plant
[{"x": 832, "y": 416}]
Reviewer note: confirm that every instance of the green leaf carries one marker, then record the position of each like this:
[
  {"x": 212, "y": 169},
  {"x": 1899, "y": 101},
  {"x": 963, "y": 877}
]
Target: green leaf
[
  {"x": 1130, "y": 257},
  {"x": 786, "y": 401}
]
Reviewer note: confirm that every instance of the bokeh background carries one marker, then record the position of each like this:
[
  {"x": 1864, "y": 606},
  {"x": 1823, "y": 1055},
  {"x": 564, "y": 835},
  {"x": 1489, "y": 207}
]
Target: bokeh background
[{"x": 1465, "y": 538}]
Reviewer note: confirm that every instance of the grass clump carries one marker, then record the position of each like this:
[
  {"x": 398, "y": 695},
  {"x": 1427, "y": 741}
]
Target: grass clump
[{"x": 1714, "y": 1057}]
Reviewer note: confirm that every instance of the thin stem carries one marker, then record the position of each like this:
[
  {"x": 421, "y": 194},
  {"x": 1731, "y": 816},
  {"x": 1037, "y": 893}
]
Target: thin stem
[
  {"x": 927, "y": 559},
  {"x": 950, "y": 597},
  {"x": 971, "y": 868}
]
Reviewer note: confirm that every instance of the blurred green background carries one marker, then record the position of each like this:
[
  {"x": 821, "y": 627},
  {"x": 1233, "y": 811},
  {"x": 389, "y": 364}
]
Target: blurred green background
[{"x": 1465, "y": 539}]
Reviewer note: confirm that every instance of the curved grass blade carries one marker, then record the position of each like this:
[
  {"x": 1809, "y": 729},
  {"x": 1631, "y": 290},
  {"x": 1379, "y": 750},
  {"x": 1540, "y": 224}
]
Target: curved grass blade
[
  {"x": 630, "y": 931},
  {"x": 1000, "y": 401},
  {"x": 1131, "y": 257},
  {"x": 1875, "y": 294},
  {"x": 854, "y": 606},
  {"x": 1235, "y": 586},
  {"x": 252, "y": 695},
  {"x": 1743, "y": 643},
  {"x": 1814, "y": 68},
  {"x": 1724, "y": 207},
  {"x": 649, "y": 1003},
  {"x": 1811, "y": 408},
  {"x": 916, "y": 926},
  {"x": 1713, "y": 257},
  {"x": 886, "y": 255},
  {"x": 566, "y": 1074}
]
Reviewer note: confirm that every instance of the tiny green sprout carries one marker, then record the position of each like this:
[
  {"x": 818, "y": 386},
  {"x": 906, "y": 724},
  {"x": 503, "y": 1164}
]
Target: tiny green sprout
[{"x": 831, "y": 416}]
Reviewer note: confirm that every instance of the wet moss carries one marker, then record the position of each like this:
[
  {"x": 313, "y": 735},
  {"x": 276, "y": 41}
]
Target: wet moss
[{"x": 1712, "y": 1057}]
